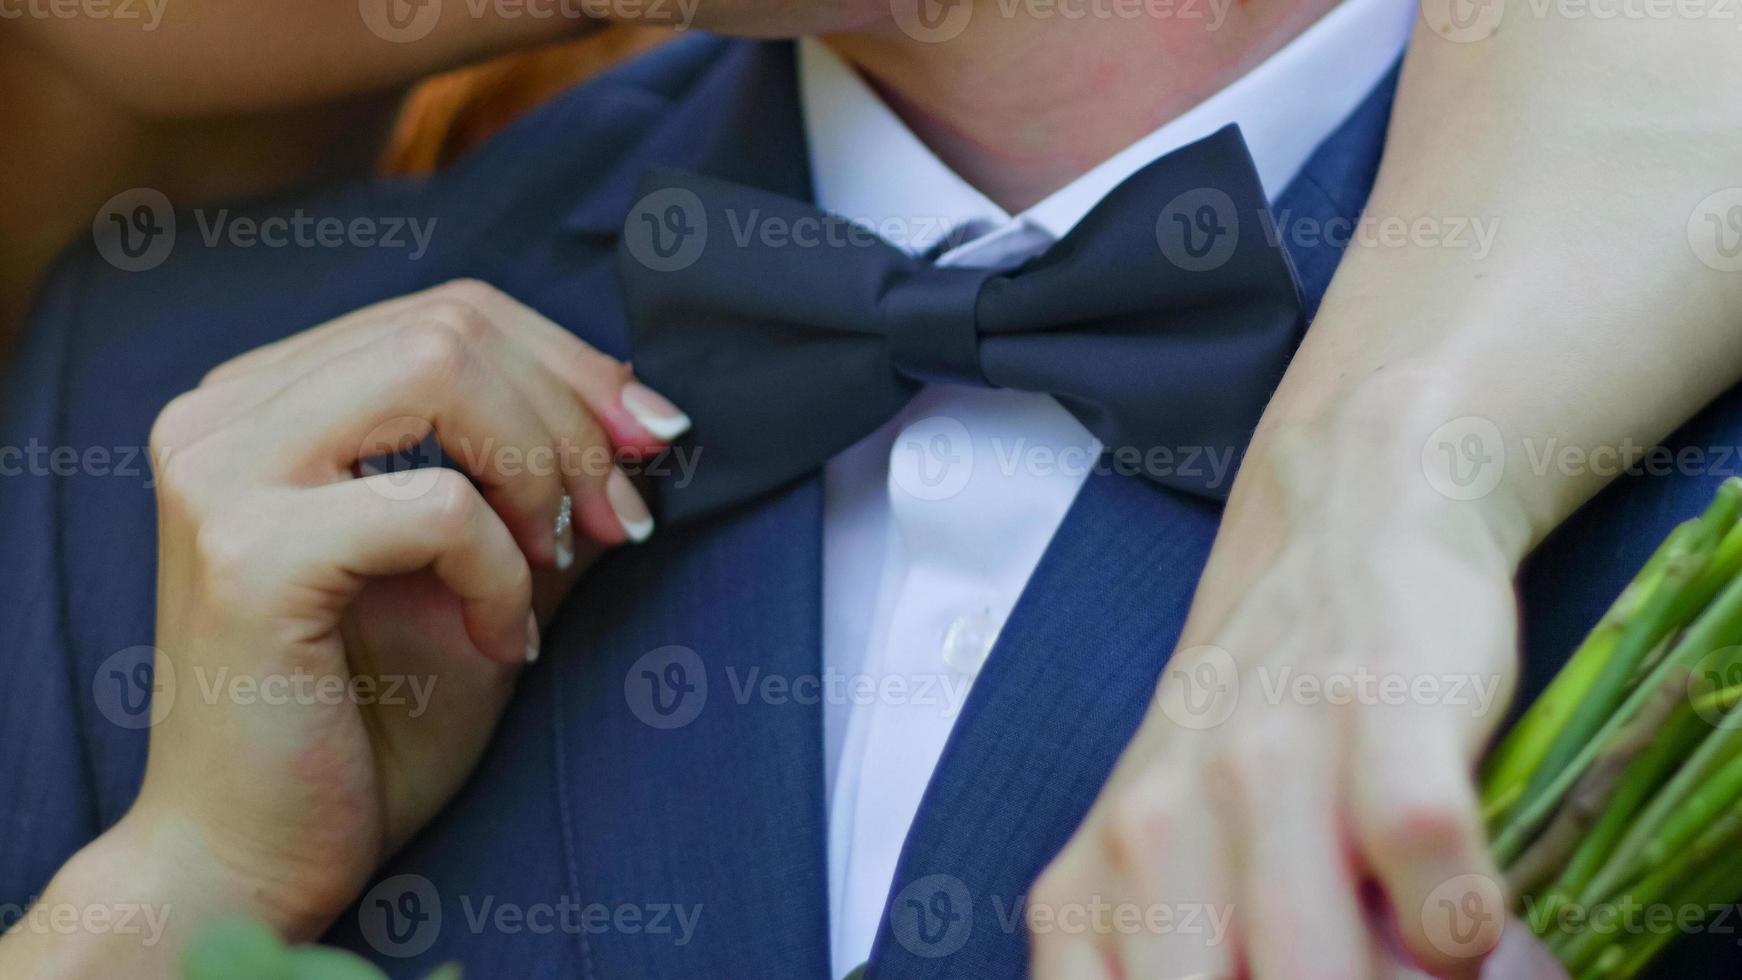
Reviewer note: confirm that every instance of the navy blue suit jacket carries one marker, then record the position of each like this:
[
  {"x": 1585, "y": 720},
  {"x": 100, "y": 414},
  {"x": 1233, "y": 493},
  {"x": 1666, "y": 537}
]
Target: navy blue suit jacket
[{"x": 607, "y": 831}]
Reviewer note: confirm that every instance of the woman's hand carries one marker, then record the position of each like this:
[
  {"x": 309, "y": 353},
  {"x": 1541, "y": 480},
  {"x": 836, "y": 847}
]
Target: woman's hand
[
  {"x": 299, "y": 592},
  {"x": 1345, "y": 547},
  {"x": 1350, "y": 650}
]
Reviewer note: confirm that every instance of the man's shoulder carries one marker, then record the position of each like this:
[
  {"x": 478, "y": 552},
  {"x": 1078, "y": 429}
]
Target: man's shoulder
[
  {"x": 158, "y": 294},
  {"x": 160, "y": 280}
]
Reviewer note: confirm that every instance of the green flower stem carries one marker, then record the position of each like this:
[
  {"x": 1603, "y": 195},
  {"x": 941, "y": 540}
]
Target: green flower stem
[
  {"x": 1719, "y": 702},
  {"x": 1716, "y": 794},
  {"x": 1628, "y": 859},
  {"x": 1718, "y": 885},
  {"x": 1507, "y": 768},
  {"x": 1593, "y": 801},
  {"x": 1690, "y": 580},
  {"x": 1668, "y": 882},
  {"x": 1643, "y": 778},
  {"x": 1664, "y": 611}
]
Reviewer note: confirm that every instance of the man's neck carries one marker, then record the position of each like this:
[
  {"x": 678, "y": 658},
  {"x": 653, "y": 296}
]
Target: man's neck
[{"x": 1025, "y": 99}]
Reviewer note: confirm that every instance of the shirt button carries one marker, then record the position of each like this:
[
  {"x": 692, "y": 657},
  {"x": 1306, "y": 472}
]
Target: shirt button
[{"x": 967, "y": 642}]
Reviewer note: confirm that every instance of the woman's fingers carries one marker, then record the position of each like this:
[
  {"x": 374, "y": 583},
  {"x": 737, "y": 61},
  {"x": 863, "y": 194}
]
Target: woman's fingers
[
  {"x": 1325, "y": 756},
  {"x": 334, "y": 537},
  {"x": 1078, "y": 954},
  {"x": 1300, "y": 909},
  {"x": 388, "y": 397},
  {"x": 1417, "y": 823},
  {"x": 636, "y": 418},
  {"x": 1265, "y": 827},
  {"x": 1412, "y": 801},
  {"x": 1066, "y": 949},
  {"x": 1187, "y": 883},
  {"x": 585, "y": 399},
  {"x": 1142, "y": 890},
  {"x": 580, "y": 454},
  {"x": 279, "y": 350}
]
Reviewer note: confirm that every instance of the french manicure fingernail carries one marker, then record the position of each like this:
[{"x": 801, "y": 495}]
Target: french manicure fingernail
[
  {"x": 531, "y": 638},
  {"x": 565, "y": 534},
  {"x": 627, "y": 504},
  {"x": 654, "y": 411}
]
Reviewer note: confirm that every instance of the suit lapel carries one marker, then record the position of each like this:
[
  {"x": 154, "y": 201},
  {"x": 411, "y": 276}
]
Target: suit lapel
[
  {"x": 689, "y": 755},
  {"x": 1076, "y": 664},
  {"x": 1047, "y": 717},
  {"x": 1315, "y": 214},
  {"x": 743, "y": 125}
]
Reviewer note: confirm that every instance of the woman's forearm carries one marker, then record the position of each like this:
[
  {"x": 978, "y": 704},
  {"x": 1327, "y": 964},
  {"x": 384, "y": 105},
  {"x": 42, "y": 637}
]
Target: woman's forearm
[
  {"x": 1527, "y": 306},
  {"x": 1599, "y": 317}
]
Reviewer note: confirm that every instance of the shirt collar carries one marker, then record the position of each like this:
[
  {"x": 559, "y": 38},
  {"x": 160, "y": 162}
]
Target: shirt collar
[{"x": 867, "y": 166}]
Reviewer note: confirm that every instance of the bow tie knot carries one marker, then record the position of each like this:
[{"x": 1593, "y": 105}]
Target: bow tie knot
[
  {"x": 931, "y": 317},
  {"x": 786, "y": 349}
]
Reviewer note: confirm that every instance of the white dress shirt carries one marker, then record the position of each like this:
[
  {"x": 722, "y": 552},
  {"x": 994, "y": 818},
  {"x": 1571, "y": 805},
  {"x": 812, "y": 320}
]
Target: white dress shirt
[{"x": 934, "y": 523}]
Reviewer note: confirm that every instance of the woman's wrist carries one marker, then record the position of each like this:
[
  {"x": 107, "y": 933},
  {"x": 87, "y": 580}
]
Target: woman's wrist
[
  {"x": 124, "y": 905},
  {"x": 171, "y": 860},
  {"x": 1413, "y": 443}
]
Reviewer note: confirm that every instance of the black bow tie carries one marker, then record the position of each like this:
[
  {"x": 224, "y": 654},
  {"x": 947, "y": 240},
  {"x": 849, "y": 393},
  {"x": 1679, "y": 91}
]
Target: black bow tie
[{"x": 1163, "y": 322}]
